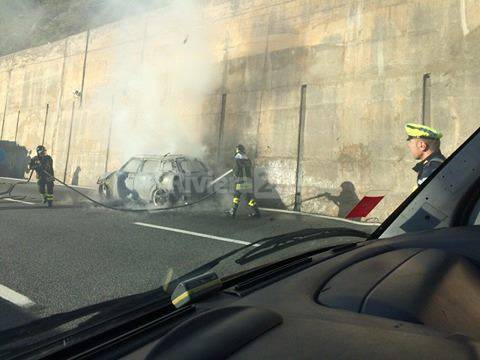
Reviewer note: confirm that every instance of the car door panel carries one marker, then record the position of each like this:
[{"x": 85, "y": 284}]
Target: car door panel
[
  {"x": 130, "y": 169},
  {"x": 146, "y": 179}
]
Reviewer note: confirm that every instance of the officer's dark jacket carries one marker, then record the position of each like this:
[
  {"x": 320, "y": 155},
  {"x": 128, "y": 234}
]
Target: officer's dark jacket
[
  {"x": 42, "y": 165},
  {"x": 426, "y": 167},
  {"x": 242, "y": 168}
]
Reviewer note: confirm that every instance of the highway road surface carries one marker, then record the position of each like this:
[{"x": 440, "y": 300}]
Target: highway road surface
[{"x": 75, "y": 254}]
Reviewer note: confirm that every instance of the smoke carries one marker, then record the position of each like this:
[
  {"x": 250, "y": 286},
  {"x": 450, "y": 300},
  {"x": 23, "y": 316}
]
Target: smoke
[
  {"x": 159, "y": 87},
  {"x": 19, "y": 20},
  {"x": 156, "y": 85},
  {"x": 30, "y": 23}
]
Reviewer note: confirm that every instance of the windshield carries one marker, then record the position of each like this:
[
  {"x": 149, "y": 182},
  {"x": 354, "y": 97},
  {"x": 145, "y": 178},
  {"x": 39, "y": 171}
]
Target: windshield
[{"x": 221, "y": 123}]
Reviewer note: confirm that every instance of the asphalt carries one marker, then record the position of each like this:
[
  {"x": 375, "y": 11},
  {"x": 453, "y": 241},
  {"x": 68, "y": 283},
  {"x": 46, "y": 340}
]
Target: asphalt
[{"x": 76, "y": 254}]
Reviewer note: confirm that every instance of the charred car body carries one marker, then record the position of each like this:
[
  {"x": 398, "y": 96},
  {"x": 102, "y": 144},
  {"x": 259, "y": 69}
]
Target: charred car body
[{"x": 157, "y": 179}]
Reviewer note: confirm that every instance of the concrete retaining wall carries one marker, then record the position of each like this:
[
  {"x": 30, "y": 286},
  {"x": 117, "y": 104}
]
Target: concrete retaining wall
[{"x": 363, "y": 64}]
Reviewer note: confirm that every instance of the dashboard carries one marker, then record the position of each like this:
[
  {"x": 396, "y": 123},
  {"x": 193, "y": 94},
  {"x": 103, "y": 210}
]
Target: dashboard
[{"x": 412, "y": 296}]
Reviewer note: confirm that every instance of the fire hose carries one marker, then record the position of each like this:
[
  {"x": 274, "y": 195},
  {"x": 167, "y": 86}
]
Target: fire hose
[
  {"x": 96, "y": 202},
  {"x": 8, "y": 193}
]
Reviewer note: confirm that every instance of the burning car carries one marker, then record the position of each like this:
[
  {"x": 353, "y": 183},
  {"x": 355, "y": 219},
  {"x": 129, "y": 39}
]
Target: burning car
[{"x": 157, "y": 179}]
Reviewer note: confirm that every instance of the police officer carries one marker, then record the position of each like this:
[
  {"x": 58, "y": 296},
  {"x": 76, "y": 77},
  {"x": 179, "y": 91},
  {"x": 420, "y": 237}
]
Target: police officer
[
  {"x": 243, "y": 176},
  {"x": 424, "y": 144},
  {"x": 43, "y": 166}
]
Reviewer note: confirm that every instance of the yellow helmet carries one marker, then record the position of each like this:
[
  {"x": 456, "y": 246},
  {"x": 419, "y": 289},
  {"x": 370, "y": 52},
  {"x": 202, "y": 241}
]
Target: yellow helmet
[{"x": 422, "y": 132}]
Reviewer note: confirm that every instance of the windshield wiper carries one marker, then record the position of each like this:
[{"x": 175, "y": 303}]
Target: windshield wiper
[
  {"x": 115, "y": 308},
  {"x": 282, "y": 241},
  {"x": 277, "y": 243}
]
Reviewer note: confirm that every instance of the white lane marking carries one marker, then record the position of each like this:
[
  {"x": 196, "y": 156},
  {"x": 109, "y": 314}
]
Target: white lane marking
[
  {"x": 14, "y": 179},
  {"x": 14, "y": 297},
  {"x": 56, "y": 184},
  {"x": 18, "y": 201},
  {"x": 207, "y": 236},
  {"x": 321, "y": 216}
]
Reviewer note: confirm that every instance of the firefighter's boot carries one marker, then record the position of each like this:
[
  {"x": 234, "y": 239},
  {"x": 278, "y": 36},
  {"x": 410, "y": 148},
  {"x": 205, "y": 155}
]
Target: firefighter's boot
[
  {"x": 49, "y": 200},
  {"x": 255, "y": 212},
  {"x": 232, "y": 212}
]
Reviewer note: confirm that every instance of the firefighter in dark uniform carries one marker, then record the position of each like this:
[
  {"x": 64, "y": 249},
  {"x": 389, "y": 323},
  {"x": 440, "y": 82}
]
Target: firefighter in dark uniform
[
  {"x": 43, "y": 166},
  {"x": 243, "y": 176},
  {"x": 424, "y": 144}
]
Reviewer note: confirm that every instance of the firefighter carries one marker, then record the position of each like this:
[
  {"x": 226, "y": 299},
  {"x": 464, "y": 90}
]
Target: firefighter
[
  {"x": 43, "y": 166},
  {"x": 243, "y": 181},
  {"x": 424, "y": 145}
]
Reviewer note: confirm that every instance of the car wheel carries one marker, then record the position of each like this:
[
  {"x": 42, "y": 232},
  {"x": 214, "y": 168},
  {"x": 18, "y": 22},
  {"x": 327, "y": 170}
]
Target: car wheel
[{"x": 160, "y": 197}]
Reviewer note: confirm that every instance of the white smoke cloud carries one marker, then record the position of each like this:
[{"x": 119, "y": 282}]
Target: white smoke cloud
[
  {"x": 19, "y": 20},
  {"x": 158, "y": 99}
]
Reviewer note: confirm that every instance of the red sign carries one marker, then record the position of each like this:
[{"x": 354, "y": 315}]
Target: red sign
[{"x": 364, "y": 207}]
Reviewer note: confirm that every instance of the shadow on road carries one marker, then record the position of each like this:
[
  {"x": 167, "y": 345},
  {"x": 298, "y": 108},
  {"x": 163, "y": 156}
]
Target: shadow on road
[
  {"x": 265, "y": 192},
  {"x": 345, "y": 200}
]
